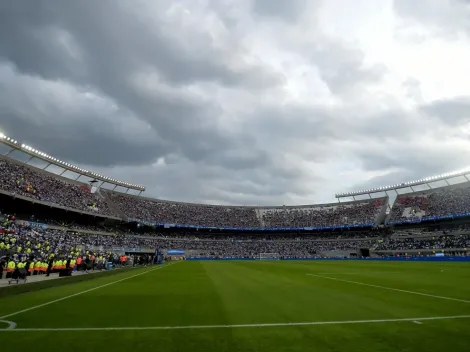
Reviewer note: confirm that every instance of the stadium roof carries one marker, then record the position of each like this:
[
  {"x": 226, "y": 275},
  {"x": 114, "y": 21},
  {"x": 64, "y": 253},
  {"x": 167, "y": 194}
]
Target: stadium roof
[
  {"x": 15, "y": 145},
  {"x": 408, "y": 184}
]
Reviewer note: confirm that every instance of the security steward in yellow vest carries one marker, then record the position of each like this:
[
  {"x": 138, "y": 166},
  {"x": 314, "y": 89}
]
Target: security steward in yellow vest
[{"x": 10, "y": 268}]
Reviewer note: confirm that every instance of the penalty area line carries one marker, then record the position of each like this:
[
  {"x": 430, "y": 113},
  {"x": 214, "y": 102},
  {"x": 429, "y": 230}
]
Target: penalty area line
[
  {"x": 391, "y": 288},
  {"x": 193, "y": 327},
  {"x": 82, "y": 292}
]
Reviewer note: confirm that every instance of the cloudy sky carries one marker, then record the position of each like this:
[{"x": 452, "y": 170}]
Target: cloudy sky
[{"x": 241, "y": 101}]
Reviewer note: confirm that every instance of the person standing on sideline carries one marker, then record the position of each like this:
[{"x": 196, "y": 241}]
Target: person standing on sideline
[
  {"x": 49, "y": 266},
  {"x": 79, "y": 263},
  {"x": 3, "y": 264}
]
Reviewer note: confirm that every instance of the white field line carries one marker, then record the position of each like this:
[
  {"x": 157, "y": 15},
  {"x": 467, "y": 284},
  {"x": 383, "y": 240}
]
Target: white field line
[
  {"x": 11, "y": 324},
  {"x": 391, "y": 289},
  {"x": 82, "y": 292},
  {"x": 358, "y": 273},
  {"x": 190, "y": 327}
]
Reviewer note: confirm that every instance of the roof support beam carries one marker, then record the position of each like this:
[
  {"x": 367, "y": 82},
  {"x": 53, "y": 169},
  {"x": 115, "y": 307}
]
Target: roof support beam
[{"x": 10, "y": 151}]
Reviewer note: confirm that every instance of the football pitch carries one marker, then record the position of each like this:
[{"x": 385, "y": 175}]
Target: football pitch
[{"x": 249, "y": 306}]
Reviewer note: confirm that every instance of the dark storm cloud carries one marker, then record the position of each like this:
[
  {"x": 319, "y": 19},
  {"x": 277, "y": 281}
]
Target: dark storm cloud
[
  {"x": 113, "y": 39},
  {"x": 56, "y": 118},
  {"x": 107, "y": 49},
  {"x": 112, "y": 44},
  {"x": 101, "y": 148}
]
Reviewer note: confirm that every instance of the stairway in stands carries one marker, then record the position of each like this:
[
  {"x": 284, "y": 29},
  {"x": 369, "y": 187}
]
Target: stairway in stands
[{"x": 112, "y": 206}]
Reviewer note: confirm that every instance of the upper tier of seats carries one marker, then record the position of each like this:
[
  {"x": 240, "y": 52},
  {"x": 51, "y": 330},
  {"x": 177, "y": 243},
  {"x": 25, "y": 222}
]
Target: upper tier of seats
[
  {"x": 20, "y": 179},
  {"x": 357, "y": 213},
  {"x": 24, "y": 180},
  {"x": 440, "y": 202}
]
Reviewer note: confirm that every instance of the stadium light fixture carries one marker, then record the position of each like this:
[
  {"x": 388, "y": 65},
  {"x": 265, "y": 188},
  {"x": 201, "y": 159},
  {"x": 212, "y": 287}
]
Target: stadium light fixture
[
  {"x": 421, "y": 181},
  {"x": 62, "y": 163}
]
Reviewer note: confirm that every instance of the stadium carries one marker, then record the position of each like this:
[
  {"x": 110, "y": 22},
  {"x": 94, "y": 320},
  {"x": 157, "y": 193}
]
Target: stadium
[
  {"x": 89, "y": 261},
  {"x": 234, "y": 175}
]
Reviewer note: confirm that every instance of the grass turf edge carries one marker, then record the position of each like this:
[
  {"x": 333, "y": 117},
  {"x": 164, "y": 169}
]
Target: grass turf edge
[{"x": 17, "y": 289}]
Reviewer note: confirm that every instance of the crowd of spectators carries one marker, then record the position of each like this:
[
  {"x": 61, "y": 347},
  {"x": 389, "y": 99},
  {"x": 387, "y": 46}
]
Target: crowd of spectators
[
  {"x": 321, "y": 237},
  {"x": 186, "y": 213},
  {"x": 416, "y": 205},
  {"x": 246, "y": 217},
  {"x": 433, "y": 243},
  {"x": 449, "y": 201},
  {"x": 23, "y": 180},
  {"x": 20, "y": 242},
  {"x": 250, "y": 246},
  {"x": 253, "y": 248},
  {"x": 443, "y": 201},
  {"x": 331, "y": 215}
]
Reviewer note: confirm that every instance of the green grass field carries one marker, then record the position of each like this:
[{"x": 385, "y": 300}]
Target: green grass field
[{"x": 222, "y": 306}]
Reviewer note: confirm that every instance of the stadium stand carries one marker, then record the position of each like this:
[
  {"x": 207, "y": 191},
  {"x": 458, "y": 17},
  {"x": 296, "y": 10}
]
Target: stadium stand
[
  {"x": 28, "y": 181},
  {"x": 328, "y": 215},
  {"x": 434, "y": 243},
  {"x": 357, "y": 213},
  {"x": 441, "y": 202},
  {"x": 25, "y": 180},
  {"x": 186, "y": 214}
]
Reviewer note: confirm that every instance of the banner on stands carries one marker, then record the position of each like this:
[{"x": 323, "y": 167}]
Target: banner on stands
[{"x": 31, "y": 224}]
